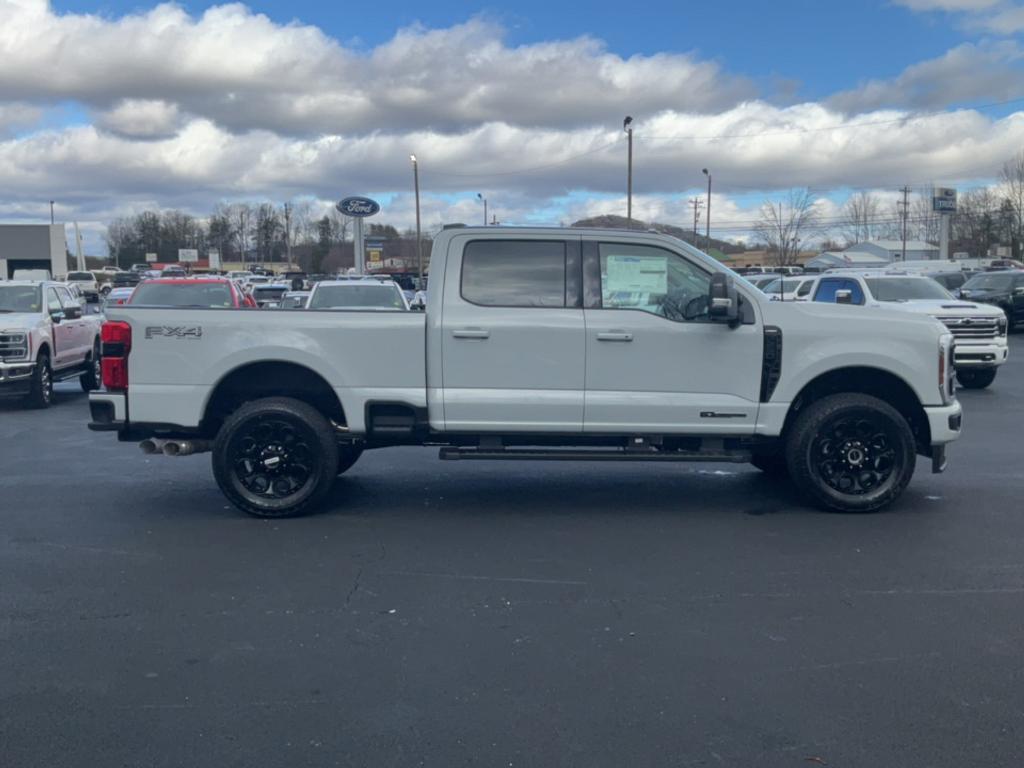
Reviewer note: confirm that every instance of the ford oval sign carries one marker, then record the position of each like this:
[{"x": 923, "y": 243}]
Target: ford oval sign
[{"x": 358, "y": 206}]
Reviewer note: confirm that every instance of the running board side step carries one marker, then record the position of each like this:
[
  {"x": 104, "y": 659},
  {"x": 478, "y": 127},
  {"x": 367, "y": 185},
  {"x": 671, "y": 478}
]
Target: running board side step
[{"x": 452, "y": 453}]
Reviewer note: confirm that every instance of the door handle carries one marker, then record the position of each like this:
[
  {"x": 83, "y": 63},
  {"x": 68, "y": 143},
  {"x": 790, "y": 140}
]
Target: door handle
[
  {"x": 615, "y": 336},
  {"x": 471, "y": 333}
]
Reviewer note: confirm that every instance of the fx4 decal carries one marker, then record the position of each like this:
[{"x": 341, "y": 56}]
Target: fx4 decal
[{"x": 174, "y": 332}]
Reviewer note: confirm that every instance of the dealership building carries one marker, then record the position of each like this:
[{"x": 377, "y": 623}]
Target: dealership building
[{"x": 32, "y": 246}]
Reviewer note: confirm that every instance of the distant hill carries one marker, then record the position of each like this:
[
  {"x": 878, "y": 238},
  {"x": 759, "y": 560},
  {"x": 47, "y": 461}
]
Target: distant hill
[{"x": 619, "y": 222}]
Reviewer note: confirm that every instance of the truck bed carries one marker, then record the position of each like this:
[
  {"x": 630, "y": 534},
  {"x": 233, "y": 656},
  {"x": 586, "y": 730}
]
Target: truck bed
[{"x": 179, "y": 355}]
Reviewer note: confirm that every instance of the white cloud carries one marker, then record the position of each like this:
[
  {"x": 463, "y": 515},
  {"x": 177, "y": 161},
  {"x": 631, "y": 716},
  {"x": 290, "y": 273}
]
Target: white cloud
[
  {"x": 16, "y": 116},
  {"x": 244, "y": 71},
  {"x": 998, "y": 17},
  {"x": 141, "y": 118},
  {"x": 969, "y": 72},
  {"x": 948, "y": 5}
]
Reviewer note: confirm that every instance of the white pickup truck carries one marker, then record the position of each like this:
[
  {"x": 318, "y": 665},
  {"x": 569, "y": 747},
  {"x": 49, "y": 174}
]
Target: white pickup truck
[
  {"x": 540, "y": 344},
  {"x": 45, "y": 336}
]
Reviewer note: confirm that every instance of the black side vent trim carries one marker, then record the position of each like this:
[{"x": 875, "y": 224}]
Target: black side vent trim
[{"x": 771, "y": 362}]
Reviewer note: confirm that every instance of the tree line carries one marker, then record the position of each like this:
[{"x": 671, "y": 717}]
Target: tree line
[
  {"x": 258, "y": 233},
  {"x": 985, "y": 217}
]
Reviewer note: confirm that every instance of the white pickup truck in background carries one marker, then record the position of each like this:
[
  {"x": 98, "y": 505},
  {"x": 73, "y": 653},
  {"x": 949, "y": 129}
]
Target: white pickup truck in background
[
  {"x": 45, "y": 336},
  {"x": 541, "y": 344}
]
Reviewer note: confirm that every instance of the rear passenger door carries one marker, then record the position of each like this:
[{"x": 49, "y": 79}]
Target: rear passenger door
[{"x": 512, "y": 337}]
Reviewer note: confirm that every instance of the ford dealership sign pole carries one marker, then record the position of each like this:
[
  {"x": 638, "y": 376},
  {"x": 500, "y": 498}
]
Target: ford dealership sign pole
[{"x": 359, "y": 208}]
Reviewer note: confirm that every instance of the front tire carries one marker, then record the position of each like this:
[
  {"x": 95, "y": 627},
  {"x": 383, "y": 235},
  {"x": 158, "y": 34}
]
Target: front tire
[
  {"x": 275, "y": 457},
  {"x": 40, "y": 393},
  {"x": 92, "y": 379},
  {"x": 851, "y": 453},
  {"x": 975, "y": 378}
]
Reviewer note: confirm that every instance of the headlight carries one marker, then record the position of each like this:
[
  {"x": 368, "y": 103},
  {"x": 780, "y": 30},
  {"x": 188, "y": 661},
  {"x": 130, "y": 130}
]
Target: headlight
[
  {"x": 1002, "y": 325},
  {"x": 946, "y": 367}
]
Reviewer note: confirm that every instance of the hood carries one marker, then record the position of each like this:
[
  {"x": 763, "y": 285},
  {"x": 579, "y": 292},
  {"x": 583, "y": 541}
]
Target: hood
[
  {"x": 945, "y": 308},
  {"x": 19, "y": 321},
  {"x": 807, "y": 313}
]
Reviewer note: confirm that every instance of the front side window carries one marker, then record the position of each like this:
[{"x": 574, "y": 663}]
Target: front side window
[
  {"x": 828, "y": 287},
  {"x": 525, "y": 273},
  {"x": 53, "y": 301},
  {"x": 653, "y": 280}
]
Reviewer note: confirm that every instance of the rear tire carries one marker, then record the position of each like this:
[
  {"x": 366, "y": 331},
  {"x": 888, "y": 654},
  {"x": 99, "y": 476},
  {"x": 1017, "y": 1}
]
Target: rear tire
[
  {"x": 851, "y": 453},
  {"x": 40, "y": 393},
  {"x": 975, "y": 378},
  {"x": 275, "y": 457},
  {"x": 92, "y": 379}
]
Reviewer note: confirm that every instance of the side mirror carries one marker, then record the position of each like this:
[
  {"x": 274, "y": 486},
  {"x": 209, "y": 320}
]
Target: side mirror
[
  {"x": 57, "y": 317},
  {"x": 723, "y": 301},
  {"x": 72, "y": 313},
  {"x": 844, "y": 297}
]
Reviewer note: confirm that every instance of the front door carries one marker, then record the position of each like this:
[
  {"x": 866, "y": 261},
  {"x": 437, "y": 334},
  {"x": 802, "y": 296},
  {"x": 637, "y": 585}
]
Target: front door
[
  {"x": 512, "y": 335},
  {"x": 63, "y": 350},
  {"x": 656, "y": 363}
]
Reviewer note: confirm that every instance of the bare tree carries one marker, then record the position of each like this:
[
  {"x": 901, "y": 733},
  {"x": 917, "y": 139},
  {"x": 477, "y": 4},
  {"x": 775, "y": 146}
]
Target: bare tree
[
  {"x": 922, "y": 222},
  {"x": 975, "y": 226},
  {"x": 860, "y": 218},
  {"x": 1011, "y": 182},
  {"x": 783, "y": 226}
]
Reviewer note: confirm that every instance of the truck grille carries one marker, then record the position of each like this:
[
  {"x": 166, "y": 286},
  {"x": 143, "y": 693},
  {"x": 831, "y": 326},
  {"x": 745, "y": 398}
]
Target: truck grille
[
  {"x": 968, "y": 328},
  {"x": 13, "y": 346}
]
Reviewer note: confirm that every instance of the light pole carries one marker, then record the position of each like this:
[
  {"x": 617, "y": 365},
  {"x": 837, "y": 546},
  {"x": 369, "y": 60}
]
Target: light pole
[
  {"x": 51, "y": 213},
  {"x": 707, "y": 215},
  {"x": 627, "y": 126},
  {"x": 419, "y": 240},
  {"x": 481, "y": 197}
]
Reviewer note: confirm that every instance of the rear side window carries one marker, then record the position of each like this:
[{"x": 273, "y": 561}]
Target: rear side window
[
  {"x": 805, "y": 288},
  {"x": 829, "y": 285},
  {"x": 502, "y": 273}
]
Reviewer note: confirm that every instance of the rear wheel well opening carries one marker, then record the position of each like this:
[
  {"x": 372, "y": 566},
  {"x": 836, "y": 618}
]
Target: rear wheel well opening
[
  {"x": 270, "y": 379},
  {"x": 884, "y": 385}
]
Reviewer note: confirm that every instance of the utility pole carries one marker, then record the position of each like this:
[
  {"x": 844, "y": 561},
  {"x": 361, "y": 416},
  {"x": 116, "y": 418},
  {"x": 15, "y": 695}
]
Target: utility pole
[
  {"x": 696, "y": 203},
  {"x": 707, "y": 220},
  {"x": 904, "y": 212},
  {"x": 288, "y": 232},
  {"x": 419, "y": 238},
  {"x": 484, "y": 199},
  {"x": 627, "y": 126},
  {"x": 51, "y": 212}
]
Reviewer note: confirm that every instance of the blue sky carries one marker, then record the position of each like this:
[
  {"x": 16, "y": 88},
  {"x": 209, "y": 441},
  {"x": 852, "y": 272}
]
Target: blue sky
[{"x": 115, "y": 107}]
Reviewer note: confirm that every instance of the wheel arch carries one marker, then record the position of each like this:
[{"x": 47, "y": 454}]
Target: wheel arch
[
  {"x": 269, "y": 378},
  {"x": 884, "y": 385}
]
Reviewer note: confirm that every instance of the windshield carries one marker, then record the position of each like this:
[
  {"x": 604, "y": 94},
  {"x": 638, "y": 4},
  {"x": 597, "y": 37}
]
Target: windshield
[
  {"x": 183, "y": 295},
  {"x": 269, "y": 292},
  {"x": 990, "y": 282},
  {"x": 357, "y": 296},
  {"x": 80, "y": 276},
  {"x": 788, "y": 285},
  {"x": 20, "y": 298},
  {"x": 905, "y": 289}
]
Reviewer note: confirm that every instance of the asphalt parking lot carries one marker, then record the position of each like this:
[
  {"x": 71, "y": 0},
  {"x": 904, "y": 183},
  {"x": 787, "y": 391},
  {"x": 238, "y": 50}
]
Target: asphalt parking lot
[{"x": 507, "y": 614}]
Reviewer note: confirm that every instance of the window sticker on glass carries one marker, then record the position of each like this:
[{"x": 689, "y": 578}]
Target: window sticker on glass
[{"x": 637, "y": 274}]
